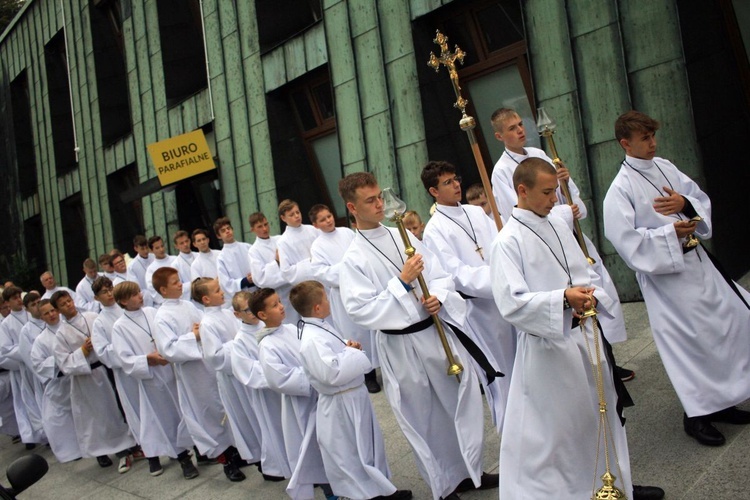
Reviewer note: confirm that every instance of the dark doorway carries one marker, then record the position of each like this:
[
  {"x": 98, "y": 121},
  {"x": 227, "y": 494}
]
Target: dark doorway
[
  {"x": 199, "y": 203},
  {"x": 73, "y": 219}
]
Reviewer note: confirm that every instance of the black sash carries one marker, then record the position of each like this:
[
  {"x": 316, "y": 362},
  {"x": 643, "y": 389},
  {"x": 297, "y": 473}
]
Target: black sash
[
  {"x": 725, "y": 275},
  {"x": 469, "y": 344},
  {"x": 623, "y": 396}
]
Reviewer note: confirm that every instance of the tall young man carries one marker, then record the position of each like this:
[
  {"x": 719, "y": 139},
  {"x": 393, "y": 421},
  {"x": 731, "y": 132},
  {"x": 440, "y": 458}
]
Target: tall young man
[
  {"x": 699, "y": 318},
  {"x": 379, "y": 287},
  {"x": 460, "y": 237}
]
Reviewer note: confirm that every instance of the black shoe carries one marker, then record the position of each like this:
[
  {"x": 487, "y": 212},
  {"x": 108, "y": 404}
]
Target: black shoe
[
  {"x": 234, "y": 473},
  {"x": 701, "y": 429},
  {"x": 489, "y": 481},
  {"x": 624, "y": 374},
  {"x": 154, "y": 466},
  {"x": 15, "y": 439},
  {"x": 731, "y": 415},
  {"x": 647, "y": 492},
  {"x": 372, "y": 385},
  {"x": 189, "y": 470},
  {"x": 30, "y": 446},
  {"x": 452, "y": 496},
  {"x": 203, "y": 459},
  {"x": 104, "y": 461},
  {"x": 274, "y": 479},
  {"x": 397, "y": 495}
]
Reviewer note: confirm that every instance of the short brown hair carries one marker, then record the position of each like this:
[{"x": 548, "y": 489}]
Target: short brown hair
[
  {"x": 474, "y": 192},
  {"x": 286, "y": 205},
  {"x": 139, "y": 240},
  {"x": 411, "y": 214},
  {"x": 113, "y": 256},
  {"x": 315, "y": 210},
  {"x": 432, "y": 172},
  {"x": 99, "y": 283},
  {"x": 527, "y": 171},
  {"x": 180, "y": 234},
  {"x": 306, "y": 295},
  {"x": 161, "y": 277},
  {"x": 256, "y": 217},
  {"x": 348, "y": 185},
  {"x": 221, "y": 222},
  {"x": 258, "y": 300},
  {"x": 11, "y": 292},
  {"x": 634, "y": 121},
  {"x": 57, "y": 296},
  {"x": 153, "y": 240},
  {"x": 199, "y": 289},
  {"x": 89, "y": 263},
  {"x": 30, "y": 297},
  {"x": 104, "y": 259},
  {"x": 240, "y": 298},
  {"x": 123, "y": 291},
  {"x": 198, "y": 231},
  {"x": 499, "y": 116}
]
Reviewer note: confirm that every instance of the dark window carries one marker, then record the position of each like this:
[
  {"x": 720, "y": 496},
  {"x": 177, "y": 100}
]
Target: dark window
[
  {"x": 199, "y": 202},
  {"x": 24, "y": 138},
  {"x": 126, "y": 215},
  {"x": 73, "y": 220},
  {"x": 60, "y": 113},
  {"x": 495, "y": 73},
  {"x": 183, "y": 57},
  {"x": 33, "y": 236},
  {"x": 308, "y": 156},
  {"x": 111, "y": 75},
  {"x": 280, "y": 20}
]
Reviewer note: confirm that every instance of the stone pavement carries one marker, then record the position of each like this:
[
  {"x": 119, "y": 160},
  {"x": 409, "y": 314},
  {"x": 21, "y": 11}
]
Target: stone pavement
[{"x": 660, "y": 452}]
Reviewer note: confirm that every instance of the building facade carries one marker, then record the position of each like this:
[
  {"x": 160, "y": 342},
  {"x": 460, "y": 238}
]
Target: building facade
[{"x": 293, "y": 94}]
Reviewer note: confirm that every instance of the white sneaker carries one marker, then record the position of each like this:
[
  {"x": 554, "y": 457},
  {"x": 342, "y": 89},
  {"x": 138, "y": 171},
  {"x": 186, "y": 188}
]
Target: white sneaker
[{"x": 124, "y": 465}]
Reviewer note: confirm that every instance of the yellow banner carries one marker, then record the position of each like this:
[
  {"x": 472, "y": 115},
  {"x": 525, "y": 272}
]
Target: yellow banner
[{"x": 181, "y": 157}]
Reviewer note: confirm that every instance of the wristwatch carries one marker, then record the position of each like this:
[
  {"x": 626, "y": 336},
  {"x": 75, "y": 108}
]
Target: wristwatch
[{"x": 566, "y": 304}]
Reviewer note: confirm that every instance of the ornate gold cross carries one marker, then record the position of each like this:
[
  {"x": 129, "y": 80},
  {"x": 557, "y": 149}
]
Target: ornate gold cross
[{"x": 448, "y": 59}]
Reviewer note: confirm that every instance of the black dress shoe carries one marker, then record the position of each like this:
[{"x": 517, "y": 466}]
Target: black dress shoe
[
  {"x": 731, "y": 415},
  {"x": 701, "y": 429},
  {"x": 489, "y": 481},
  {"x": 372, "y": 385},
  {"x": 452, "y": 496},
  {"x": 397, "y": 495},
  {"x": 233, "y": 473},
  {"x": 104, "y": 461},
  {"x": 647, "y": 492},
  {"x": 275, "y": 479}
]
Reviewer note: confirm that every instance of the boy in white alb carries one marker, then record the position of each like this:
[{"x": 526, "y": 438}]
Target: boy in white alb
[
  {"x": 327, "y": 252},
  {"x": 204, "y": 265},
  {"x": 264, "y": 259},
  {"x": 177, "y": 338},
  {"x": 161, "y": 259},
  {"x": 294, "y": 248},
  {"x": 57, "y": 413},
  {"x": 183, "y": 261},
  {"x": 233, "y": 263},
  {"x": 247, "y": 370},
  {"x": 161, "y": 429},
  {"x": 460, "y": 237},
  {"x": 349, "y": 435},
  {"x": 33, "y": 391},
  {"x": 217, "y": 331},
  {"x": 100, "y": 426},
  {"x": 280, "y": 359},
  {"x": 138, "y": 266}
]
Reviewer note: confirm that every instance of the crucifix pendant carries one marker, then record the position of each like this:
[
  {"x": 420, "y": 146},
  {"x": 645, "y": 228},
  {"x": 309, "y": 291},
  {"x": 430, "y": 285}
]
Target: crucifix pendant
[{"x": 479, "y": 251}]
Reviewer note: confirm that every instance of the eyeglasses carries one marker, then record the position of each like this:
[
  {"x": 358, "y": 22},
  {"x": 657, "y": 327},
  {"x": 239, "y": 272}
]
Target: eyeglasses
[
  {"x": 104, "y": 291},
  {"x": 449, "y": 182}
]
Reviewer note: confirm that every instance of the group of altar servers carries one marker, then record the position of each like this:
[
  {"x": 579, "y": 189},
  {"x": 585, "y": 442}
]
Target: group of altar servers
[{"x": 265, "y": 353}]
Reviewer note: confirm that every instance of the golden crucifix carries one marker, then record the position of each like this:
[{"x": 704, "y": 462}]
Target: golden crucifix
[{"x": 467, "y": 123}]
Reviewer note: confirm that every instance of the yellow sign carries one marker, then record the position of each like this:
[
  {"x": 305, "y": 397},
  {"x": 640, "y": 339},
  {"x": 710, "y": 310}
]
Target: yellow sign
[{"x": 181, "y": 157}]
